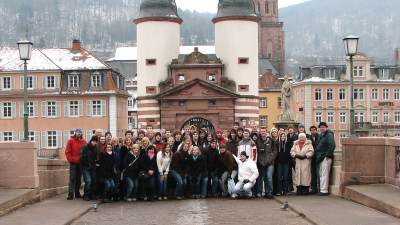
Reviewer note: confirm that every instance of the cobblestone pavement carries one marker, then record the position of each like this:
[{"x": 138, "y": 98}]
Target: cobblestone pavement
[{"x": 192, "y": 212}]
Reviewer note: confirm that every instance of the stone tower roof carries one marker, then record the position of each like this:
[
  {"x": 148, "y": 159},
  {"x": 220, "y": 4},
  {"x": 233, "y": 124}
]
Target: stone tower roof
[
  {"x": 240, "y": 9},
  {"x": 159, "y": 10}
]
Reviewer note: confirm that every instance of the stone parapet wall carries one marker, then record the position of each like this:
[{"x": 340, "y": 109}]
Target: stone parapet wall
[{"x": 53, "y": 177}]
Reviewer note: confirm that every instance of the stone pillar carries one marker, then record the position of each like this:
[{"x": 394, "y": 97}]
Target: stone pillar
[{"x": 18, "y": 165}]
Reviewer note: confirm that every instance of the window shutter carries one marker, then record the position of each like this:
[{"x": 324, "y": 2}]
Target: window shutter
[
  {"x": 44, "y": 139},
  {"x": 37, "y": 139},
  {"x": 21, "y": 135},
  {"x": 35, "y": 109},
  {"x": 21, "y": 109},
  {"x": 44, "y": 82},
  {"x": 89, "y": 135},
  {"x": 1, "y": 136},
  {"x": 1, "y": 83},
  {"x": 22, "y": 82},
  {"x": 12, "y": 82},
  {"x": 44, "y": 109},
  {"x": 66, "y": 137},
  {"x": 103, "y": 107},
  {"x": 57, "y": 82},
  {"x": 58, "y": 109},
  {"x": 66, "y": 108},
  {"x": 15, "y": 136},
  {"x": 80, "y": 102},
  {"x": 89, "y": 108},
  {"x": 1, "y": 110},
  {"x": 13, "y": 110},
  {"x": 59, "y": 139},
  {"x": 34, "y": 82}
]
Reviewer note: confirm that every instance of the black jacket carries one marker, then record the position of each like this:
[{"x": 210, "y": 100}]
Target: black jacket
[
  {"x": 232, "y": 146},
  {"x": 267, "y": 152},
  {"x": 197, "y": 167},
  {"x": 283, "y": 152},
  {"x": 290, "y": 139},
  {"x": 107, "y": 165},
  {"x": 212, "y": 156},
  {"x": 179, "y": 162},
  {"x": 147, "y": 164},
  {"x": 314, "y": 141},
  {"x": 133, "y": 170},
  {"x": 88, "y": 156}
]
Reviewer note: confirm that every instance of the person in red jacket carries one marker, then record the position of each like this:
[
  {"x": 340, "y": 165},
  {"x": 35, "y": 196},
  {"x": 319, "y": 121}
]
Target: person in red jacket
[{"x": 72, "y": 152}]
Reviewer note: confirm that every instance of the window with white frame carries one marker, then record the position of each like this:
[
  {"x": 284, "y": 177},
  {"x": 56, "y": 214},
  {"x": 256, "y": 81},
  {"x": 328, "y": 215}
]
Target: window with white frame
[
  {"x": 7, "y": 136},
  {"x": 30, "y": 81},
  {"x": 358, "y": 94},
  {"x": 74, "y": 108},
  {"x": 397, "y": 94},
  {"x": 331, "y": 116},
  {"x": 397, "y": 117},
  {"x": 318, "y": 117},
  {"x": 385, "y": 94},
  {"x": 386, "y": 117},
  {"x": 318, "y": 94},
  {"x": 375, "y": 117},
  {"x": 263, "y": 121},
  {"x": 330, "y": 73},
  {"x": 73, "y": 81},
  {"x": 329, "y": 94},
  {"x": 342, "y": 94},
  {"x": 263, "y": 103},
  {"x": 374, "y": 94},
  {"x": 95, "y": 80},
  {"x": 181, "y": 77},
  {"x": 30, "y": 108},
  {"x": 384, "y": 74},
  {"x": 359, "y": 117},
  {"x": 342, "y": 117},
  {"x": 7, "y": 83},
  {"x": 50, "y": 82},
  {"x": 130, "y": 102},
  {"x": 358, "y": 71},
  {"x": 96, "y": 108},
  {"x": 7, "y": 110},
  {"x": 31, "y": 136},
  {"x": 211, "y": 77},
  {"x": 51, "y": 108},
  {"x": 52, "y": 139}
]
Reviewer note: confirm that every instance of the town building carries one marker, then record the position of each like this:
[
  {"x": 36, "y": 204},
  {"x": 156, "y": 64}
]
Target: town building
[
  {"x": 195, "y": 86},
  {"x": 270, "y": 99},
  {"x": 68, "y": 88},
  {"x": 322, "y": 94}
]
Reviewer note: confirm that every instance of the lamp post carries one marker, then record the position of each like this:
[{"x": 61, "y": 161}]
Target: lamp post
[
  {"x": 25, "y": 53},
  {"x": 351, "y": 48}
]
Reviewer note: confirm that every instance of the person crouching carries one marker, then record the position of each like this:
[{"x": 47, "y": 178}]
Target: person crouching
[{"x": 248, "y": 174}]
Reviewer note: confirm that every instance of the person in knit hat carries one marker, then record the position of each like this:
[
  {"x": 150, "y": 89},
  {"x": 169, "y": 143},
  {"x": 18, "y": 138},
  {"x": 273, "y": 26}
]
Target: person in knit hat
[{"x": 248, "y": 174}]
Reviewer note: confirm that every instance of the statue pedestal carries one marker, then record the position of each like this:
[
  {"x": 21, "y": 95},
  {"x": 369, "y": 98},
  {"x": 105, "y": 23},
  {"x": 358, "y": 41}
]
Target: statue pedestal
[{"x": 286, "y": 124}]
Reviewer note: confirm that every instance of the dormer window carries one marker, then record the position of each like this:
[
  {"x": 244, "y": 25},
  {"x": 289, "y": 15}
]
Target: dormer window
[
  {"x": 95, "y": 80},
  {"x": 358, "y": 71},
  {"x": 181, "y": 77},
  {"x": 330, "y": 73},
  {"x": 384, "y": 74},
  {"x": 211, "y": 77},
  {"x": 73, "y": 80}
]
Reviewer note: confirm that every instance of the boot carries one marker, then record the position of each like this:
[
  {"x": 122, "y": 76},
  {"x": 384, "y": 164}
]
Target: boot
[{"x": 70, "y": 196}]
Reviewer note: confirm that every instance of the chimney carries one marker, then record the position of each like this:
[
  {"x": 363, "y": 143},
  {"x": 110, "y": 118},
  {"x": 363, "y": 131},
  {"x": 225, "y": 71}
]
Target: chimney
[
  {"x": 397, "y": 56},
  {"x": 196, "y": 49},
  {"x": 76, "y": 45}
]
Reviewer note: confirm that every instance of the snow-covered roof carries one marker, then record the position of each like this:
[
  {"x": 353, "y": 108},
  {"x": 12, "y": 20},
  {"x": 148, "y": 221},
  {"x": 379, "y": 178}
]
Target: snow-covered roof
[
  {"x": 317, "y": 79},
  {"x": 130, "y": 53},
  {"x": 68, "y": 59},
  {"x": 10, "y": 61}
]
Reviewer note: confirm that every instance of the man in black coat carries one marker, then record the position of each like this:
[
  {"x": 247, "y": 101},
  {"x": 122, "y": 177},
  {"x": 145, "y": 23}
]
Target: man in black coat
[{"x": 314, "y": 138}]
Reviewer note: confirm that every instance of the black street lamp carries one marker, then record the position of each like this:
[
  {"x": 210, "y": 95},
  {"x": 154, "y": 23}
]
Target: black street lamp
[
  {"x": 25, "y": 53},
  {"x": 351, "y": 48}
]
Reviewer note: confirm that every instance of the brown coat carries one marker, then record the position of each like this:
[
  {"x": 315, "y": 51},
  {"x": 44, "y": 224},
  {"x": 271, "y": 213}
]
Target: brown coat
[{"x": 303, "y": 167}]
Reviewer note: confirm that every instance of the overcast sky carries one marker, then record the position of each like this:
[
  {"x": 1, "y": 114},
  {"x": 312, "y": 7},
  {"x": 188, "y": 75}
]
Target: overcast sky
[{"x": 211, "y": 5}]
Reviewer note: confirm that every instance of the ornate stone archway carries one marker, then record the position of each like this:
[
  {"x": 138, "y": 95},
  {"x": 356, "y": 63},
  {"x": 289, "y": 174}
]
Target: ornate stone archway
[{"x": 200, "y": 123}]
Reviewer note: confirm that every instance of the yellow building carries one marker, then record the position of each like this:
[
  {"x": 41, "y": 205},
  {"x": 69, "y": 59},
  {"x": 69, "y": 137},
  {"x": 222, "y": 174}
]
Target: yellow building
[{"x": 270, "y": 100}]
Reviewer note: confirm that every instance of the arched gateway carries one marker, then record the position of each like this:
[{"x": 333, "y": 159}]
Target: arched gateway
[{"x": 199, "y": 123}]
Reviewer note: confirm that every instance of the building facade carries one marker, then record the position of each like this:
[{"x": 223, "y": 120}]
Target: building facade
[
  {"x": 270, "y": 99},
  {"x": 196, "y": 84},
  {"x": 271, "y": 35},
  {"x": 323, "y": 93},
  {"x": 67, "y": 89}
]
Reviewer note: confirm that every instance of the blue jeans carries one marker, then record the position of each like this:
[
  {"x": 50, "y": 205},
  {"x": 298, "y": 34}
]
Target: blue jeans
[
  {"x": 89, "y": 177},
  {"x": 181, "y": 182},
  {"x": 109, "y": 185},
  {"x": 131, "y": 187},
  {"x": 266, "y": 178},
  {"x": 283, "y": 177},
  {"x": 214, "y": 179},
  {"x": 195, "y": 183},
  {"x": 75, "y": 175},
  {"x": 204, "y": 184},
  {"x": 162, "y": 188},
  {"x": 148, "y": 185}
]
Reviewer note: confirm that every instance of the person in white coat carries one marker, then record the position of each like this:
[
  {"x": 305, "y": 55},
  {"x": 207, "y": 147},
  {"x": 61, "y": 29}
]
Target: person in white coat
[{"x": 248, "y": 174}]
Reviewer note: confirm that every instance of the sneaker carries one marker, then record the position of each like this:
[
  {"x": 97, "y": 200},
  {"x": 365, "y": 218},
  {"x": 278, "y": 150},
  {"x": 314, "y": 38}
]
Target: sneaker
[
  {"x": 145, "y": 199},
  {"x": 259, "y": 195},
  {"x": 159, "y": 198},
  {"x": 234, "y": 196},
  {"x": 165, "y": 198},
  {"x": 129, "y": 199}
]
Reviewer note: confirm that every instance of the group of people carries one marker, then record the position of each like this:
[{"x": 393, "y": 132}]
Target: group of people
[{"x": 198, "y": 163}]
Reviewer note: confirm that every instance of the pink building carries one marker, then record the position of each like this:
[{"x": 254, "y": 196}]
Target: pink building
[
  {"x": 67, "y": 89},
  {"x": 323, "y": 94}
]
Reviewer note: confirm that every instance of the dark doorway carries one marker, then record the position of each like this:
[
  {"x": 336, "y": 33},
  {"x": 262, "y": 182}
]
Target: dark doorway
[{"x": 199, "y": 123}]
